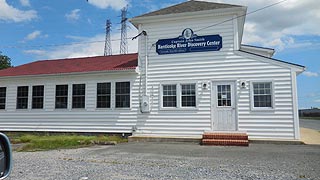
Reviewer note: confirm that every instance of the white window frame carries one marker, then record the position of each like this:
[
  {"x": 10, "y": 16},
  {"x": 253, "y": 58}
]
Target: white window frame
[
  {"x": 179, "y": 96},
  {"x": 253, "y": 108},
  {"x": 5, "y": 98},
  {"x": 114, "y": 88},
  {"x": 111, "y": 95}
]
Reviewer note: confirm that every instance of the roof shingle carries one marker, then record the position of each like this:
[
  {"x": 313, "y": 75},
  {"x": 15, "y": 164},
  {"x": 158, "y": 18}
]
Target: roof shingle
[{"x": 74, "y": 65}]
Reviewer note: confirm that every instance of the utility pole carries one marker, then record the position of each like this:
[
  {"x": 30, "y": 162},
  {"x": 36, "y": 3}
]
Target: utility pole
[
  {"x": 124, "y": 41},
  {"x": 107, "y": 46}
]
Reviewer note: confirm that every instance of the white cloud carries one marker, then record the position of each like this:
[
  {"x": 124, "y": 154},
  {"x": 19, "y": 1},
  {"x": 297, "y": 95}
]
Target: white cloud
[
  {"x": 104, "y": 4},
  {"x": 33, "y": 35},
  {"x": 35, "y": 52},
  {"x": 73, "y": 15},
  {"x": 9, "y": 13},
  {"x": 83, "y": 49},
  {"x": 279, "y": 25},
  {"x": 310, "y": 74},
  {"x": 25, "y": 3}
]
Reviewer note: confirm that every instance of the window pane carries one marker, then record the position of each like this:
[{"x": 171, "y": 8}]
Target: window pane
[
  {"x": 224, "y": 95},
  {"x": 188, "y": 93},
  {"x": 22, "y": 97},
  {"x": 78, "y": 95},
  {"x": 61, "y": 90},
  {"x": 3, "y": 91},
  {"x": 61, "y": 102},
  {"x": 37, "y": 97},
  {"x": 262, "y": 94},
  {"x": 78, "y": 102},
  {"x": 122, "y": 94},
  {"x": 61, "y": 96},
  {"x": 103, "y": 95},
  {"x": 169, "y": 96},
  {"x": 169, "y": 101}
]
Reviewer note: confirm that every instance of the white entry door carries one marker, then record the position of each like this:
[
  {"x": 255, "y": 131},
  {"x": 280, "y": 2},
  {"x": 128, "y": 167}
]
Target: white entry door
[{"x": 223, "y": 106}]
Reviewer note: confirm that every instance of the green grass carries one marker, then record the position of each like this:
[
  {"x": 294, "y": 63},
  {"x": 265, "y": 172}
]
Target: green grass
[
  {"x": 313, "y": 118},
  {"x": 42, "y": 142}
]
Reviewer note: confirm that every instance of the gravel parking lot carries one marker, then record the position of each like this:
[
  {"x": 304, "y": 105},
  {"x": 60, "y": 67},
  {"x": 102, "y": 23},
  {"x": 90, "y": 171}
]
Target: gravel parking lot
[{"x": 170, "y": 161}]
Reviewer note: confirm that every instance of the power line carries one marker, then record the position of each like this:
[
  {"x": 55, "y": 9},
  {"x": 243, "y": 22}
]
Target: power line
[{"x": 231, "y": 19}]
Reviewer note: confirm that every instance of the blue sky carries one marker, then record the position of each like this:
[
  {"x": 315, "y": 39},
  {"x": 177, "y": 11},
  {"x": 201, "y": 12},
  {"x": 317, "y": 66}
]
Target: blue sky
[{"x": 35, "y": 29}]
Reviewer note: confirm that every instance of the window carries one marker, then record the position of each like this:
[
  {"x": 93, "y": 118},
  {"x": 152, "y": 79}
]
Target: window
[
  {"x": 103, "y": 95},
  {"x": 224, "y": 95},
  {"x": 22, "y": 97},
  {"x": 3, "y": 91},
  {"x": 169, "y": 95},
  {"x": 37, "y": 97},
  {"x": 122, "y": 94},
  {"x": 188, "y": 95},
  {"x": 61, "y": 96},
  {"x": 262, "y": 94},
  {"x": 78, "y": 95}
]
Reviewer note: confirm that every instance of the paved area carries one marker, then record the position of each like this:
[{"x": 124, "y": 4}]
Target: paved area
[
  {"x": 170, "y": 161},
  {"x": 312, "y": 124},
  {"x": 310, "y": 136}
]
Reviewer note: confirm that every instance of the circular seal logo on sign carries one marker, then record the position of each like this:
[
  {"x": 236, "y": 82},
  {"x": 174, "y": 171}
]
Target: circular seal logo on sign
[{"x": 187, "y": 33}]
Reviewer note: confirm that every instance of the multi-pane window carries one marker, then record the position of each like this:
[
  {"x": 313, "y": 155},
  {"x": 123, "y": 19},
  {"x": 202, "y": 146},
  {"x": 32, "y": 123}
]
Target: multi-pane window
[
  {"x": 78, "y": 95},
  {"x": 224, "y": 95},
  {"x": 169, "y": 95},
  {"x": 22, "y": 97},
  {"x": 3, "y": 91},
  {"x": 61, "y": 96},
  {"x": 122, "y": 94},
  {"x": 262, "y": 94},
  {"x": 188, "y": 95},
  {"x": 103, "y": 95},
  {"x": 37, "y": 97}
]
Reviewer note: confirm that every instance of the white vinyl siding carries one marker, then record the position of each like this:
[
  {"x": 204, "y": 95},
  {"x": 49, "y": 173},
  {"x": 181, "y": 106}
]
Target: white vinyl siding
[
  {"x": 209, "y": 67},
  {"x": 89, "y": 119}
]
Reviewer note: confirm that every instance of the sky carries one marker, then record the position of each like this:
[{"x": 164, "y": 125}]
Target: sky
[{"x": 33, "y": 30}]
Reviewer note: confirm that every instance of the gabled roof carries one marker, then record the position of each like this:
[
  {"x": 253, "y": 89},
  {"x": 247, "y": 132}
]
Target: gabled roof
[
  {"x": 74, "y": 65},
  {"x": 189, "y": 6}
]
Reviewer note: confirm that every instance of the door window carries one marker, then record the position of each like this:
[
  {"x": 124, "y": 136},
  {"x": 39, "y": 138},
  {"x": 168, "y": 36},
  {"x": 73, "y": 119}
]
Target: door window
[{"x": 224, "y": 95}]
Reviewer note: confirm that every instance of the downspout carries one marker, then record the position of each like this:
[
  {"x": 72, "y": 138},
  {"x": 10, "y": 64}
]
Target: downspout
[{"x": 146, "y": 63}]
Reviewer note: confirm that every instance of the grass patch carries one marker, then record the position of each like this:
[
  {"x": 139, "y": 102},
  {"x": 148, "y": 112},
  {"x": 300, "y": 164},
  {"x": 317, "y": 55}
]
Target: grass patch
[
  {"x": 42, "y": 142},
  {"x": 312, "y": 118}
]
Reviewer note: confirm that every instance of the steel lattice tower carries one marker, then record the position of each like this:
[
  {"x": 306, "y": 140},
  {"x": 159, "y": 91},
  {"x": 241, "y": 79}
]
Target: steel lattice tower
[
  {"x": 124, "y": 41},
  {"x": 107, "y": 46}
]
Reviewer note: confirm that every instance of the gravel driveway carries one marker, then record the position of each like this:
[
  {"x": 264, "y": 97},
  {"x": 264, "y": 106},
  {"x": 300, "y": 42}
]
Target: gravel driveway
[{"x": 170, "y": 161}]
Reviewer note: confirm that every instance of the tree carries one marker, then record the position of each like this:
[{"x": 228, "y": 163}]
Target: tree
[{"x": 5, "y": 61}]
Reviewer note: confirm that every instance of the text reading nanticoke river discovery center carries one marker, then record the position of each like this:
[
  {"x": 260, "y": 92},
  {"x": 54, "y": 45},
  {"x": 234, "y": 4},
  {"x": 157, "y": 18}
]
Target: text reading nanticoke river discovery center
[{"x": 193, "y": 44}]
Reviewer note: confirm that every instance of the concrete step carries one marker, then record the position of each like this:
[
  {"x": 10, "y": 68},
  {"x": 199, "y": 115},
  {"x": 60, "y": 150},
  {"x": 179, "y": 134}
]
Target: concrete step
[
  {"x": 224, "y": 142},
  {"x": 225, "y": 135}
]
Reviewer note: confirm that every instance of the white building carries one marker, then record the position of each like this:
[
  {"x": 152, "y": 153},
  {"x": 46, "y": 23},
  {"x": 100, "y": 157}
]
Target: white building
[{"x": 191, "y": 75}]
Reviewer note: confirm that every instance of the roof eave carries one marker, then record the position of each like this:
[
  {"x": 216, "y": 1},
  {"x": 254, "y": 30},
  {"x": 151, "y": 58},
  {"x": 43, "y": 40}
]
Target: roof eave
[
  {"x": 70, "y": 73},
  {"x": 295, "y": 67},
  {"x": 269, "y": 51}
]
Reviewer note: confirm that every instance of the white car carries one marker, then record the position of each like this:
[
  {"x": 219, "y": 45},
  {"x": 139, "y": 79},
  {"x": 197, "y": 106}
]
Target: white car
[{"x": 5, "y": 157}]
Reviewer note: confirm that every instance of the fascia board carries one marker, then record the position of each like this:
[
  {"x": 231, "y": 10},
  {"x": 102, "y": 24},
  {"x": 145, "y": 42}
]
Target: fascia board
[{"x": 297, "y": 68}]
